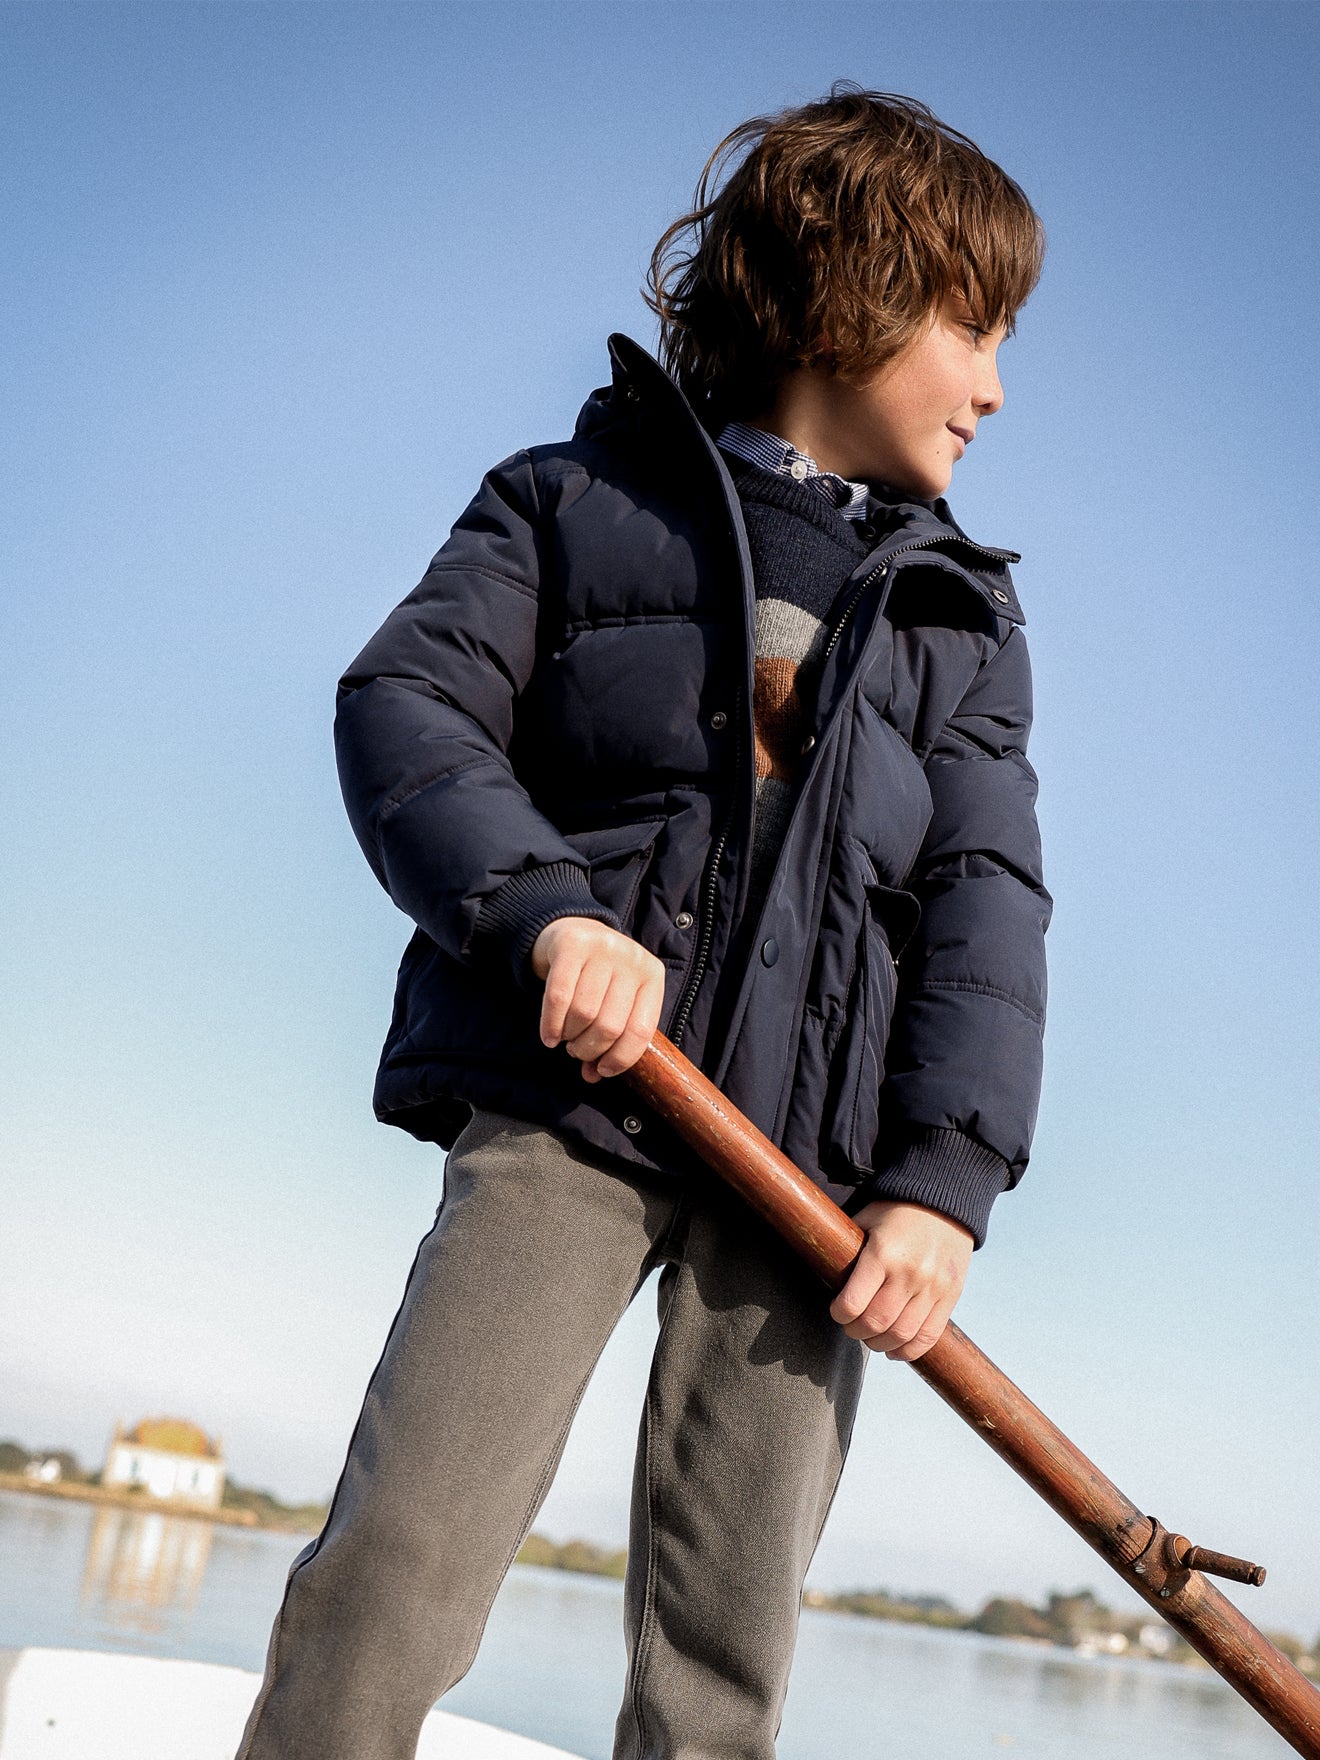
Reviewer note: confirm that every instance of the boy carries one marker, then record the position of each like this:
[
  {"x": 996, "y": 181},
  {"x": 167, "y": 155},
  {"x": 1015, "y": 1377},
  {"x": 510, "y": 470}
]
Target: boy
[{"x": 697, "y": 722}]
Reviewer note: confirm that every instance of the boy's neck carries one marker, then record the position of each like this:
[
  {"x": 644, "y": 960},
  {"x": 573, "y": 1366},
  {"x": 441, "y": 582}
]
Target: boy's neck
[
  {"x": 820, "y": 414},
  {"x": 805, "y": 412}
]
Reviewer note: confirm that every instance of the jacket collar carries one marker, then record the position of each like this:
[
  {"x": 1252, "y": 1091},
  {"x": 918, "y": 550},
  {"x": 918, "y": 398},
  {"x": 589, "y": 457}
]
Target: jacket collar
[{"x": 641, "y": 386}]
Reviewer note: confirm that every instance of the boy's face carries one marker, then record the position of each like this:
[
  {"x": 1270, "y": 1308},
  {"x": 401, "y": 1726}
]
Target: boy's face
[{"x": 912, "y": 420}]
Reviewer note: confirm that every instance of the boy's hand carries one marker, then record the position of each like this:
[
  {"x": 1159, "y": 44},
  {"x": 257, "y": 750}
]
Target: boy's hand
[
  {"x": 603, "y": 993},
  {"x": 906, "y": 1281}
]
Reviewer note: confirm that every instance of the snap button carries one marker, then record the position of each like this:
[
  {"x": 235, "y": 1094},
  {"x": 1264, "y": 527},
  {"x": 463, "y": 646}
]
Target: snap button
[
  {"x": 632, "y": 1125},
  {"x": 798, "y": 470},
  {"x": 769, "y": 951},
  {"x": 719, "y": 720},
  {"x": 684, "y": 919},
  {"x": 1000, "y": 594},
  {"x": 807, "y": 743}
]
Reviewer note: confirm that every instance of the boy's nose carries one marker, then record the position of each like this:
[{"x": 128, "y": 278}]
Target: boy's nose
[{"x": 989, "y": 393}]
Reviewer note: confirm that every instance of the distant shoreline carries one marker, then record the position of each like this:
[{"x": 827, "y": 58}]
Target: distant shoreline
[
  {"x": 1078, "y": 1623},
  {"x": 139, "y": 1501}
]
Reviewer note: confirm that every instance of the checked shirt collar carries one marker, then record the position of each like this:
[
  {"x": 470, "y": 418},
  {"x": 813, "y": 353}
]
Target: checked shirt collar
[{"x": 769, "y": 453}]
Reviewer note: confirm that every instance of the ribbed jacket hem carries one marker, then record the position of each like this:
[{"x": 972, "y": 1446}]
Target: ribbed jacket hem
[
  {"x": 516, "y": 912},
  {"x": 946, "y": 1170}
]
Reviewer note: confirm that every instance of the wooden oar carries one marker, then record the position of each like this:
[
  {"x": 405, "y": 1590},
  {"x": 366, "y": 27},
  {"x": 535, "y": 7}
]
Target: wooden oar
[{"x": 1162, "y": 1567}]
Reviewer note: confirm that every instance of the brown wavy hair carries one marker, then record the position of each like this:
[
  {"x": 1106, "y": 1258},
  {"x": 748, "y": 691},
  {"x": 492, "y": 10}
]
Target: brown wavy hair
[{"x": 832, "y": 232}]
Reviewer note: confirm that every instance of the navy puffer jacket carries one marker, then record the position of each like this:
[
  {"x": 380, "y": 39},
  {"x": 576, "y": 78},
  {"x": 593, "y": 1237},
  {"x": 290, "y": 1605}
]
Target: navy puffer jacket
[{"x": 557, "y": 721}]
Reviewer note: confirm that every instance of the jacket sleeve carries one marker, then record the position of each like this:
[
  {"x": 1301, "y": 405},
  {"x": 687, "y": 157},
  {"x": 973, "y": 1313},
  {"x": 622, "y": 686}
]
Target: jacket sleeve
[
  {"x": 963, "y": 1067},
  {"x": 422, "y": 729}
]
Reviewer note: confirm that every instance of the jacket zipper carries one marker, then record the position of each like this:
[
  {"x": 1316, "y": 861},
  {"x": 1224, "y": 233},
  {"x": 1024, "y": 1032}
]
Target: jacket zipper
[
  {"x": 678, "y": 1024},
  {"x": 706, "y": 908},
  {"x": 916, "y": 544},
  {"x": 848, "y": 610}
]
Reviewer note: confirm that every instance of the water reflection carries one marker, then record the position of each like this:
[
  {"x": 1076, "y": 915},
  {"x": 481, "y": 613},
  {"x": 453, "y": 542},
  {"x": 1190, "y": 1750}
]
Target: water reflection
[
  {"x": 1126, "y": 1684},
  {"x": 142, "y": 1570},
  {"x": 552, "y": 1661}
]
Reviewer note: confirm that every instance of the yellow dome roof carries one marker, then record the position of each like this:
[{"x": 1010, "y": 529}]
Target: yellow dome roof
[{"x": 174, "y": 1435}]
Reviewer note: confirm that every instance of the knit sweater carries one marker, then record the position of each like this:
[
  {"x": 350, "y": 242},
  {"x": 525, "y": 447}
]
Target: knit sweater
[{"x": 803, "y": 552}]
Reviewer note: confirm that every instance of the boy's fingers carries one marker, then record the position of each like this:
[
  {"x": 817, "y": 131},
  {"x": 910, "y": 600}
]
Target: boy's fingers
[
  {"x": 902, "y": 1330},
  {"x": 624, "y": 1052},
  {"x": 565, "y": 948},
  {"x": 874, "y": 1292},
  {"x": 853, "y": 1299},
  {"x": 928, "y": 1333},
  {"x": 560, "y": 986},
  {"x": 880, "y": 1317},
  {"x": 863, "y": 1310},
  {"x": 918, "y": 1326},
  {"x": 593, "y": 982},
  {"x": 606, "y": 1021},
  {"x": 638, "y": 1033}
]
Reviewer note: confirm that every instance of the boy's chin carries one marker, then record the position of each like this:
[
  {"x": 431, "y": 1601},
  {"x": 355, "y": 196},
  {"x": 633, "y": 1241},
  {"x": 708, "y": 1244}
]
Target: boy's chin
[
  {"x": 925, "y": 478},
  {"x": 927, "y": 487}
]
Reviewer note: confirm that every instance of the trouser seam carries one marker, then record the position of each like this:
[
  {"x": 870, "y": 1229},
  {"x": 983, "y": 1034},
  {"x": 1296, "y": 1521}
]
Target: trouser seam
[
  {"x": 845, "y": 1444},
  {"x": 552, "y": 1459},
  {"x": 547, "y": 1472},
  {"x": 272, "y": 1668},
  {"x": 646, "y": 1630}
]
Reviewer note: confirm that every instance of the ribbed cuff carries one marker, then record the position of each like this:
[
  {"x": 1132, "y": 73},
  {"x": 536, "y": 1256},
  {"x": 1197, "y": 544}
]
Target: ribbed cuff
[
  {"x": 516, "y": 912},
  {"x": 946, "y": 1170}
]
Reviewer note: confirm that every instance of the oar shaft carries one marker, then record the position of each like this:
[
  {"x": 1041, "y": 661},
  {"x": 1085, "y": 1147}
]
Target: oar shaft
[{"x": 1135, "y": 1545}]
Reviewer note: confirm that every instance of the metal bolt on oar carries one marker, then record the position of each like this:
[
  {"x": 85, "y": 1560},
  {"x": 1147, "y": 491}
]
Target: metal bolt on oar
[{"x": 1164, "y": 1568}]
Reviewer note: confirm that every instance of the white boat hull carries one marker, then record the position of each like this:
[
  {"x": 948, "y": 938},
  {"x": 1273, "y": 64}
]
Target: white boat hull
[{"x": 90, "y": 1705}]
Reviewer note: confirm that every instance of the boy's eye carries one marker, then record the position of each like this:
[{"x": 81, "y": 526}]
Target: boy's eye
[{"x": 976, "y": 331}]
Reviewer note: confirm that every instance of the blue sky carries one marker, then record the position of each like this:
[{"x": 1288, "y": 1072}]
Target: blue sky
[{"x": 279, "y": 283}]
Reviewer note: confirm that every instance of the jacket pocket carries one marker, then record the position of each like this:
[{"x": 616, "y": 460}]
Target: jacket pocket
[
  {"x": 617, "y": 857},
  {"x": 851, "y": 1122}
]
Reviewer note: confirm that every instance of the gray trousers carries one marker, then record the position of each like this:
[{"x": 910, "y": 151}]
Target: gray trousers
[{"x": 534, "y": 1256}]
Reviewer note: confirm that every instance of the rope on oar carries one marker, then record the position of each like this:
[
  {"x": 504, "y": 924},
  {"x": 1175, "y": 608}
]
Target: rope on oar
[{"x": 1164, "y": 1569}]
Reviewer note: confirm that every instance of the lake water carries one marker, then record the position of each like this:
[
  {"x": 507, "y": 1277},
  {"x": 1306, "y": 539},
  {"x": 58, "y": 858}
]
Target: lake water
[{"x": 551, "y": 1665}]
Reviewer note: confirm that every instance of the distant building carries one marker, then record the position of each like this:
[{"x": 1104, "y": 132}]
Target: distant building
[
  {"x": 168, "y": 1458},
  {"x": 43, "y": 1471},
  {"x": 1101, "y": 1644}
]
